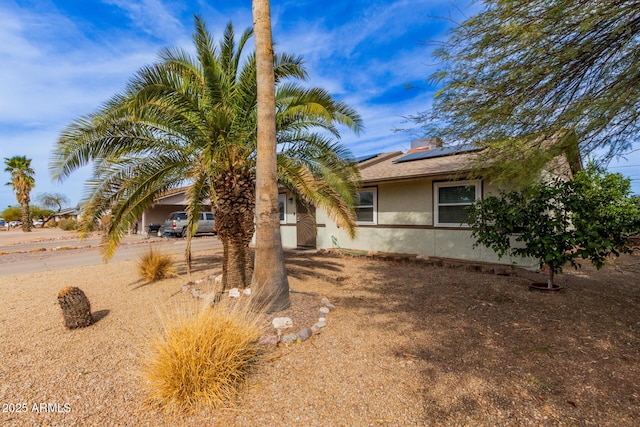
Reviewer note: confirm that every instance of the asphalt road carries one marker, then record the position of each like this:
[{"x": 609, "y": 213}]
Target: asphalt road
[{"x": 29, "y": 258}]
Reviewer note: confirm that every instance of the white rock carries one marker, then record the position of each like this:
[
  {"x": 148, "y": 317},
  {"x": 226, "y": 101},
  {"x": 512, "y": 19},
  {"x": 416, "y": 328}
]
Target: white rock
[
  {"x": 218, "y": 279},
  {"x": 324, "y": 310},
  {"x": 247, "y": 291},
  {"x": 234, "y": 293},
  {"x": 209, "y": 298},
  {"x": 282, "y": 322},
  {"x": 327, "y": 303}
]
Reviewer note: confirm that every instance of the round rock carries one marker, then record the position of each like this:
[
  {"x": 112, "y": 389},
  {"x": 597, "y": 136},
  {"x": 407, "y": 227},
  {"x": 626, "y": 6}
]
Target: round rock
[
  {"x": 304, "y": 334},
  {"x": 289, "y": 338}
]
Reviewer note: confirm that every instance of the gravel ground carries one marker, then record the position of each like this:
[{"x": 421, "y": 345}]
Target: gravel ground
[{"x": 408, "y": 344}]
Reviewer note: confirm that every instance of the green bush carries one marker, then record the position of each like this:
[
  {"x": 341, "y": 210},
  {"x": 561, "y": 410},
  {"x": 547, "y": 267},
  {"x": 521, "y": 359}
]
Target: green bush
[{"x": 590, "y": 217}]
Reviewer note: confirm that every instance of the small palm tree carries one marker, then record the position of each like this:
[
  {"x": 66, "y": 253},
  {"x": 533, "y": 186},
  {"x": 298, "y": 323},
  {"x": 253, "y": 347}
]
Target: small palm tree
[
  {"x": 192, "y": 121},
  {"x": 22, "y": 181}
]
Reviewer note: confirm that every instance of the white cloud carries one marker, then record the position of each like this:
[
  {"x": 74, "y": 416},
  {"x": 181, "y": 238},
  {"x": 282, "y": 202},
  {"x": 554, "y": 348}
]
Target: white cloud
[
  {"x": 14, "y": 43},
  {"x": 46, "y": 82},
  {"x": 151, "y": 16},
  {"x": 57, "y": 67}
]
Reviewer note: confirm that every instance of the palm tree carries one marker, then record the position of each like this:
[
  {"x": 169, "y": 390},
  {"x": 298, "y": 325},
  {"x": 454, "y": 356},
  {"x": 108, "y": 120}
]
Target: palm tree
[
  {"x": 22, "y": 181},
  {"x": 192, "y": 121},
  {"x": 269, "y": 282}
]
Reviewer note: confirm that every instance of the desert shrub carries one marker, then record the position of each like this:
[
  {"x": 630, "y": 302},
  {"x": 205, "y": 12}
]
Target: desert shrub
[
  {"x": 155, "y": 265},
  {"x": 103, "y": 223},
  {"x": 68, "y": 224},
  {"x": 203, "y": 359}
]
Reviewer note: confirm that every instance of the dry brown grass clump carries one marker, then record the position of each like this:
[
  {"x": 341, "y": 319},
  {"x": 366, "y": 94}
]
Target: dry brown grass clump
[
  {"x": 203, "y": 359},
  {"x": 155, "y": 266}
]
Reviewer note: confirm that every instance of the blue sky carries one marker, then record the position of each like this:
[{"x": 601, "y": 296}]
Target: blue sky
[{"x": 62, "y": 59}]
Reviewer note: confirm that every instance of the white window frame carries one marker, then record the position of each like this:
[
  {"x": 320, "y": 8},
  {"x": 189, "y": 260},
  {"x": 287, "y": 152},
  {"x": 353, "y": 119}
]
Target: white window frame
[
  {"x": 283, "y": 197},
  {"x": 436, "y": 205},
  {"x": 373, "y": 190}
]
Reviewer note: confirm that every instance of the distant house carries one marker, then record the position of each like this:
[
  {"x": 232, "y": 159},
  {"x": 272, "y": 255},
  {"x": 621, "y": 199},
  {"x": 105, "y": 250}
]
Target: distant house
[{"x": 67, "y": 213}]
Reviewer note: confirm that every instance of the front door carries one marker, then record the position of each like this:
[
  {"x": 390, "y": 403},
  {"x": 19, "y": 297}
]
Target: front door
[{"x": 306, "y": 228}]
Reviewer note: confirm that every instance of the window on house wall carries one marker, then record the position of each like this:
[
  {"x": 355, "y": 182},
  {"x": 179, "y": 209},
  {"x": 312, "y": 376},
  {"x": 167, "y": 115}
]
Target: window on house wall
[
  {"x": 451, "y": 200},
  {"x": 366, "y": 206},
  {"x": 282, "y": 205}
]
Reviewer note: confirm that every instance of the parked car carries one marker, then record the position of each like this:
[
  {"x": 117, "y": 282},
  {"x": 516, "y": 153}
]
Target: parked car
[
  {"x": 38, "y": 223},
  {"x": 13, "y": 224},
  {"x": 3, "y": 223},
  {"x": 176, "y": 225}
]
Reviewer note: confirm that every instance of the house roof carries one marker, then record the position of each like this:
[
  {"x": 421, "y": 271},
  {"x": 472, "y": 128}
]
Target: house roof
[
  {"x": 68, "y": 211},
  {"x": 172, "y": 192},
  {"x": 386, "y": 167}
]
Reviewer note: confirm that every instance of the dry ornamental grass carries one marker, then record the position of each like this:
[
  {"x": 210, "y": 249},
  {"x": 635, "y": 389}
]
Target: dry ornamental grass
[
  {"x": 154, "y": 265},
  {"x": 203, "y": 359}
]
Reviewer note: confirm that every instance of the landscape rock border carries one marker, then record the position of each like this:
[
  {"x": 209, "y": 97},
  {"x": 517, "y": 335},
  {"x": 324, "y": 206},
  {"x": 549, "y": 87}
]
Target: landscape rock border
[{"x": 279, "y": 324}]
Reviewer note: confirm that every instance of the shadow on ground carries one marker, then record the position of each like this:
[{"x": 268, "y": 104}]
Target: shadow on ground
[
  {"x": 99, "y": 315},
  {"x": 491, "y": 352}
]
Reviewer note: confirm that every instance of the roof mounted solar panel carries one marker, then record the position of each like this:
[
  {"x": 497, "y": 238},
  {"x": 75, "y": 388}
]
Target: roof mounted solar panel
[
  {"x": 436, "y": 152},
  {"x": 361, "y": 159}
]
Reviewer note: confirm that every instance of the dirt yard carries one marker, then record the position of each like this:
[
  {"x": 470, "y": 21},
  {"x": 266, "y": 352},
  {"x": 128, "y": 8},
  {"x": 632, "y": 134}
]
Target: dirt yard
[{"x": 408, "y": 344}]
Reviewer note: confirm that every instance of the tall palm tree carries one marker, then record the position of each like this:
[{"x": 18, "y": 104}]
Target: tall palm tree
[
  {"x": 269, "y": 282},
  {"x": 22, "y": 181},
  {"x": 192, "y": 121}
]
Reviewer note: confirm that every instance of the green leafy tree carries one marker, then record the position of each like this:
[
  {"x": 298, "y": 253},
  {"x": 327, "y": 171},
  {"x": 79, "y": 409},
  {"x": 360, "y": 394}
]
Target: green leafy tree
[
  {"x": 590, "y": 217},
  {"x": 42, "y": 212},
  {"x": 191, "y": 121},
  {"x": 53, "y": 201},
  {"x": 528, "y": 78},
  {"x": 12, "y": 213},
  {"x": 51, "y": 204},
  {"x": 22, "y": 182}
]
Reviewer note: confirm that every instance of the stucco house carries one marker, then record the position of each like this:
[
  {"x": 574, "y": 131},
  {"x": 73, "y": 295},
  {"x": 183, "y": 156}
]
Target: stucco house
[
  {"x": 68, "y": 213},
  {"x": 409, "y": 203}
]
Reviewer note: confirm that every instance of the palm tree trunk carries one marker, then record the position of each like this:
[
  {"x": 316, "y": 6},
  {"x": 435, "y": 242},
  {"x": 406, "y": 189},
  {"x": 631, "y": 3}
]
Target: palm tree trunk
[
  {"x": 26, "y": 222},
  {"x": 270, "y": 284},
  {"x": 234, "y": 224}
]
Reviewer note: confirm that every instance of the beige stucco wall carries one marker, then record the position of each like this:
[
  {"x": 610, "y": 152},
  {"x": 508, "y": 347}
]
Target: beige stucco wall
[
  {"x": 405, "y": 225},
  {"x": 406, "y": 203}
]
